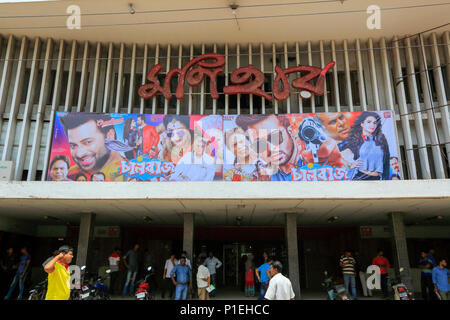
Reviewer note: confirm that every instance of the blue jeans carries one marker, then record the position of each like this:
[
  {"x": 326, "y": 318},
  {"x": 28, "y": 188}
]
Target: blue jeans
[
  {"x": 13, "y": 286},
  {"x": 264, "y": 286},
  {"x": 181, "y": 292},
  {"x": 350, "y": 279},
  {"x": 131, "y": 276}
]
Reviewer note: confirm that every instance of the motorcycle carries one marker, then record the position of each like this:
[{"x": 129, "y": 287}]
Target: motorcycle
[
  {"x": 39, "y": 291},
  {"x": 401, "y": 290},
  {"x": 335, "y": 291},
  {"x": 143, "y": 287},
  {"x": 82, "y": 293},
  {"x": 99, "y": 291}
]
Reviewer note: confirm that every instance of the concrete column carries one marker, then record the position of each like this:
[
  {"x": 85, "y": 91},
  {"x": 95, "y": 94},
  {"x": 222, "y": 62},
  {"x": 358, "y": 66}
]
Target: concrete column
[
  {"x": 293, "y": 262},
  {"x": 400, "y": 249},
  {"x": 188, "y": 236},
  {"x": 87, "y": 222}
]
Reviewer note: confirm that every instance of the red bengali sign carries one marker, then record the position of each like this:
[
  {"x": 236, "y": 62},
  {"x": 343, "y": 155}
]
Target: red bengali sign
[{"x": 245, "y": 80}]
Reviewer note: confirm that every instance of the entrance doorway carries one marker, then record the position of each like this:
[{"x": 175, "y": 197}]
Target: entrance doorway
[
  {"x": 231, "y": 275},
  {"x": 231, "y": 266}
]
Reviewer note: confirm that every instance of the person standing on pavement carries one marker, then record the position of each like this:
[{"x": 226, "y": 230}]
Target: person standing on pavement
[
  {"x": 188, "y": 263},
  {"x": 426, "y": 281},
  {"x": 383, "y": 263},
  {"x": 167, "y": 284},
  {"x": 131, "y": 263},
  {"x": 58, "y": 287},
  {"x": 440, "y": 276},
  {"x": 203, "y": 280},
  {"x": 280, "y": 287},
  {"x": 114, "y": 259},
  {"x": 347, "y": 263},
  {"x": 362, "y": 263},
  {"x": 263, "y": 274},
  {"x": 430, "y": 256},
  {"x": 21, "y": 274},
  {"x": 183, "y": 275},
  {"x": 212, "y": 263},
  {"x": 9, "y": 269}
]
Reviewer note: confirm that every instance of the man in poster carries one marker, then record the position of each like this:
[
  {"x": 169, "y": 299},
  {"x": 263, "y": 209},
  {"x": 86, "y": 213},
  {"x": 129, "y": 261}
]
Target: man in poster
[
  {"x": 278, "y": 150},
  {"x": 148, "y": 138},
  {"x": 337, "y": 127},
  {"x": 59, "y": 167},
  {"x": 87, "y": 136}
]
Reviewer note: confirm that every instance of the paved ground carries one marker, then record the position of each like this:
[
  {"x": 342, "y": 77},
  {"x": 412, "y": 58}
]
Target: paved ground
[{"x": 232, "y": 294}]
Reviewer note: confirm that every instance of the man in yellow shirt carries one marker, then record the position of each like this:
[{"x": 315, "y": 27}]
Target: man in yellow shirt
[{"x": 58, "y": 287}]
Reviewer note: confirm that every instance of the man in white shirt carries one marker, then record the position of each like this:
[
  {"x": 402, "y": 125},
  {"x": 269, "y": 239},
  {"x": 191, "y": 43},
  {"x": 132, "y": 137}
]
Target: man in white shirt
[
  {"x": 114, "y": 259},
  {"x": 196, "y": 165},
  {"x": 167, "y": 284},
  {"x": 212, "y": 263},
  {"x": 203, "y": 280},
  {"x": 280, "y": 287},
  {"x": 188, "y": 262}
]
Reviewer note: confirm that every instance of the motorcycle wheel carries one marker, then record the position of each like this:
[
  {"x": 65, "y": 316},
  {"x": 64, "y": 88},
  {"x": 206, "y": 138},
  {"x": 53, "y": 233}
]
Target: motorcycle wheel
[{"x": 34, "y": 296}]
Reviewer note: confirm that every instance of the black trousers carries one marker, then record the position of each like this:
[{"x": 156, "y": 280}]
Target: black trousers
[
  {"x": 167, "y": 285},
  {"x": 113, "y": 282},
  {"x": 383, "y": 280},
  {"x": 426, "y": 284}
]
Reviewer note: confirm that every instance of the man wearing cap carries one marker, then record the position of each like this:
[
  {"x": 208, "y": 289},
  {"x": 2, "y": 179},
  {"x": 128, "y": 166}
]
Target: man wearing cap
[{"x": 58, "y": 275}]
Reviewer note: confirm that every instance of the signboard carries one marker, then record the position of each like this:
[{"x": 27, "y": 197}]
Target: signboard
[
  {"x": 245, "y": 80},
  {"x": 286, "y": 147},
  {"x": 6, "y": 170}
]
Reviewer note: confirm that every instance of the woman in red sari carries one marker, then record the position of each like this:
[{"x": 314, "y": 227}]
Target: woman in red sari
[{"x": 249, "y": 278}]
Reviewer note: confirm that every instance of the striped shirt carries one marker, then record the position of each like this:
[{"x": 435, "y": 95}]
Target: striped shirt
[
  {"x": 426, "y": 271},
  {"x": 349, "y": 265}
]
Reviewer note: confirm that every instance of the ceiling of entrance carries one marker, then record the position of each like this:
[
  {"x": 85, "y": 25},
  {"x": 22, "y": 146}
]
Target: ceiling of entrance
[
  {"x": 217, "y": 203},
  {"x": 206, "y": 21},
  {"x": 224, "y": 212}
]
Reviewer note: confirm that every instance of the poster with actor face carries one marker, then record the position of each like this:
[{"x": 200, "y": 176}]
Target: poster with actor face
[
  {"x": 311, "y": 147},
  {"x": 286, "y": 147},
  {"x": 131, "y": 147}
]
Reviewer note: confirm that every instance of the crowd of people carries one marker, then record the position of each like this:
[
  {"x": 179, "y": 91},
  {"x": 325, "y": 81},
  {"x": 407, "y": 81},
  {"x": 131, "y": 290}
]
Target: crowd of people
[
  {"x": 434, "y": 274},
  {"x": 178, "y": 273}
]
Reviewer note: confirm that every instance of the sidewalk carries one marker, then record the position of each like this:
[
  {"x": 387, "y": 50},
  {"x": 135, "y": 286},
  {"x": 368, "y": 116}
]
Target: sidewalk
[{"x": 232, "y": 294}]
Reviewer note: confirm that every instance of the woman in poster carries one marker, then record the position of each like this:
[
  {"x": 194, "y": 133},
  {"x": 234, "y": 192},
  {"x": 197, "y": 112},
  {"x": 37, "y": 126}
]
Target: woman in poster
[
  {"x": 130, "y": 136},
  {"x": 179, "y": 136},
  {"x": 244, "y": 168},
  {"x": 368, "y": 148}
]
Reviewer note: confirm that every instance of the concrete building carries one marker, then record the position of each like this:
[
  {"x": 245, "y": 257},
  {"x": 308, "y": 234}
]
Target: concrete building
[{"x": 404, "y": 66}]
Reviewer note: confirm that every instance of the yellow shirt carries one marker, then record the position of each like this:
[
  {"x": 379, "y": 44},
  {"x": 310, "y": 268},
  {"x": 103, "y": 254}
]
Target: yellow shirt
[{"x": 58, "y": 283}]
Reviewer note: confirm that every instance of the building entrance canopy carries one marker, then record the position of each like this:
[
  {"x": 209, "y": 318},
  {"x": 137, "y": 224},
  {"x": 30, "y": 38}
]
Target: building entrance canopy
[{"x": 220, "y": 203}]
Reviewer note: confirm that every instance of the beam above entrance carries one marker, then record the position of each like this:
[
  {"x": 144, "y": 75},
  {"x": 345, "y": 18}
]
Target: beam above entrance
[{"x": 395, "y": 189}]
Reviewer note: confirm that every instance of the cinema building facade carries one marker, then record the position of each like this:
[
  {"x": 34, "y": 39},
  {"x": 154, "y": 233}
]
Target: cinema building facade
[{"x": 398, "y": 76}]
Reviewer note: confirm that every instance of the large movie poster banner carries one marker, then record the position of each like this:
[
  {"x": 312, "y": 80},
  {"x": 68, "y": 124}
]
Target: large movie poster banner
[
  {"x": 132, "y": 147},
  {"x": 285, "y": 147},
  {"x": 310, "y": 147}
]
